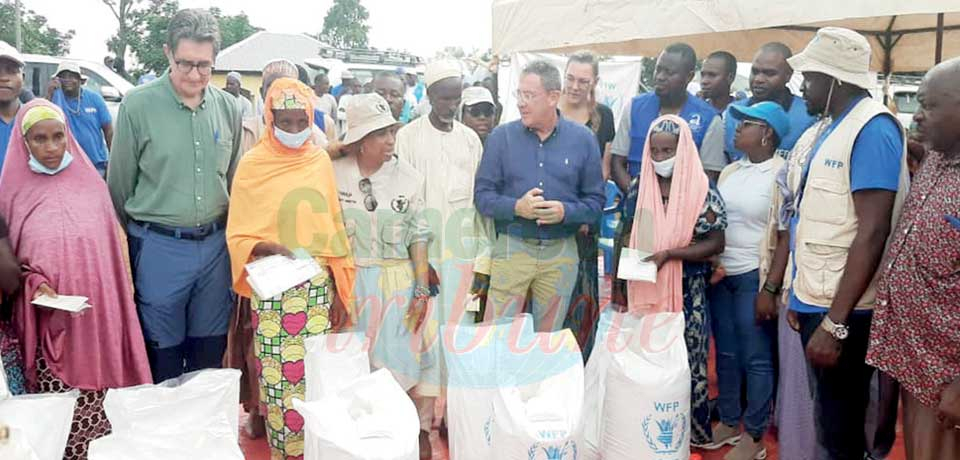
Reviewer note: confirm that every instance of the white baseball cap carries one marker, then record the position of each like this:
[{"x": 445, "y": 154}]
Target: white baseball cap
[
  {"x": 10, "y": 53},
  {"x": 840, "y": 53},
  {"x": 366, "y": 113},
  {"x": 475, "y": 95},
  {"x": 67, "y": 66}
]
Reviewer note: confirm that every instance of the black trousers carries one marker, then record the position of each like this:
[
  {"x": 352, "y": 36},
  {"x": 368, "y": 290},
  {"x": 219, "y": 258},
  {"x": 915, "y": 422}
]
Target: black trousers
[{"x": 842, "y": 393}]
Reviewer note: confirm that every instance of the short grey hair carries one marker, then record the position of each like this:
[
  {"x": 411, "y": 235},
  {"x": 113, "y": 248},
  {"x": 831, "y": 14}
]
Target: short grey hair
[
  {"x": 548, "y": 73},
  {"x": 194, "y": 24}
]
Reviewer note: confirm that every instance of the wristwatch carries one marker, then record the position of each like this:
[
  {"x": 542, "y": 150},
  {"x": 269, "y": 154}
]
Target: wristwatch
[
  {"x": 771, "y": 288},
  {"x": 838, "y": 331}
]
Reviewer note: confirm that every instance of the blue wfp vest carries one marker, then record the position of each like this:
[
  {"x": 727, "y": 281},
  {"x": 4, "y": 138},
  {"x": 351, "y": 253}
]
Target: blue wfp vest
[
  {"x": 646, "y": 108},
  {"x": 800, "y": 120}
]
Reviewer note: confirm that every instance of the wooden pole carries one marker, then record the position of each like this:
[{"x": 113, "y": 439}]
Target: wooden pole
[
  {"x": 17, "y": 28},
  {"x": 938, "y": 56}
]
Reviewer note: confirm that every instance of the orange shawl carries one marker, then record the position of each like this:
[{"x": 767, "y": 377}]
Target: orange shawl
[
  {"x": 288, "y": 196},
  {"x": 657, "y": 229}
]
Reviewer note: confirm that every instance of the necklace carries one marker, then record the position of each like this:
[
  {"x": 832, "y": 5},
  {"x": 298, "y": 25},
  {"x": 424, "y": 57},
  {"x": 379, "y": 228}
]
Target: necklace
[{"x": 66, "y": 102}]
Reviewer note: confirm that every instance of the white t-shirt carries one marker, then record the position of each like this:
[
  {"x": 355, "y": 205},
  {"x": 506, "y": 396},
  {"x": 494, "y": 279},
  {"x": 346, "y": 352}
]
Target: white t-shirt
[{"x": 747, "y": 193}]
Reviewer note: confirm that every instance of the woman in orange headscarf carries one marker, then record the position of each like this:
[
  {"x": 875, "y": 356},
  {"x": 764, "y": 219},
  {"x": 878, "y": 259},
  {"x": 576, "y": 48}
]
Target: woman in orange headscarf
[{"x": 284, "y": 198}]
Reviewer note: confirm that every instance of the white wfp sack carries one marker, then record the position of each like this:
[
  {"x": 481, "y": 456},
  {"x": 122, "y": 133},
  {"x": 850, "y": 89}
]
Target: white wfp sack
[
  {"x": 372, "y": 418},
  {"x": 42, "y": 421},
  {"x": 14, "y": 445},
  {"x": 333, "y": 361},
  {"x": 646, "y": 406},
  {"x": 614, "y": 330},
  {"x": 470, "y": 353},
  {"x": 537, "y": 413},
  {"x": 192, "y": 416}
]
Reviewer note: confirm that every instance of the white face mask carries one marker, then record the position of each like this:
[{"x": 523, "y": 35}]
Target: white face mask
[
  {"x": 665, "y": 168},
  {"x": 292, "y": 140},
  {"x": 39, "y": 168}
]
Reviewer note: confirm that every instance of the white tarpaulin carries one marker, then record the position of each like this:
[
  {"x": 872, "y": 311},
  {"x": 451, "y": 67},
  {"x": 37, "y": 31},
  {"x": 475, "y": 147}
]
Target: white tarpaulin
[
  {"x": 644, "y": 27},
  {"x": 619, "y": 81}
]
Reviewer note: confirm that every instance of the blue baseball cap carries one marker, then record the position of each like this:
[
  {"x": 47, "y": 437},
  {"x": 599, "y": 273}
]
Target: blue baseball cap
[{"x": 768, "y": 112}]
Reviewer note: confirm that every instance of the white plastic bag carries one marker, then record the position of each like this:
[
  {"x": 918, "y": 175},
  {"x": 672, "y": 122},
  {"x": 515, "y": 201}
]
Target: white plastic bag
[
  {"x": 614, "y": 330},
  {"x": 538, "y": 411},
  {"x": 185, "y": 446},
  {"x": 190, "y": 417},
  {"x": 333, "y": 361},
  {"x": 15, "y": 446},
  {"x": 43, "y": 420},
  {"x": 470, "y": 352},
  {"x": 646, "y": 405},
  {"x": 372, "y": 418}
]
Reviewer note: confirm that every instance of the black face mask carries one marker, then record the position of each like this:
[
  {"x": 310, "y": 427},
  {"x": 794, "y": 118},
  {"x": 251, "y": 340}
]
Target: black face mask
[{"x": 480, "y": 110}]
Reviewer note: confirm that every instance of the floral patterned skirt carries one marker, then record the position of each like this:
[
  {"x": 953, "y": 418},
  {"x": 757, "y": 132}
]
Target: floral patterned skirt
[{"x": 282, "y": 324}]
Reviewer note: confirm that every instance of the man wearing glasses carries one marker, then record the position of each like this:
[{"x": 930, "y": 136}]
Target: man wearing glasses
[
  {"x": 176, "y": 147},
  {"x": 540, "y": 179}
]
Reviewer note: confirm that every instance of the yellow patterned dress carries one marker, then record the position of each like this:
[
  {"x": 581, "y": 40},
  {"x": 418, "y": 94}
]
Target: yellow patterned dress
[{"x": 282, "y": 324}]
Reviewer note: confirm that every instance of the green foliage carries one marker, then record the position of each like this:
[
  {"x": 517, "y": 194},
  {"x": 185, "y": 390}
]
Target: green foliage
[
  {"x": 345, "y": 25},
  {"x": 38, "y": 36}
]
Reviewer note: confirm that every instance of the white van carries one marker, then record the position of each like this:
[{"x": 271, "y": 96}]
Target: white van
[{"x": 38, "y": 69}]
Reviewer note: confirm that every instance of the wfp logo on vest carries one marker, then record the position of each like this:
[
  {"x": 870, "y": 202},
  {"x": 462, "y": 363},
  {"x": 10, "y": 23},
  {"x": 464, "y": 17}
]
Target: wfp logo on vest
[
  {"x": 568, "y": 451},
  {"x": 666, "y": 429},
  {"x": 835, "y": 164},
  {"x": 695, "y": 122}
]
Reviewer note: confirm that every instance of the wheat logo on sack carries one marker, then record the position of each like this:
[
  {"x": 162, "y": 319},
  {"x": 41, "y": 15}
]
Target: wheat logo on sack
[
  {"x": 568, "y": 451},
  {"x": 665, "y": 430}
]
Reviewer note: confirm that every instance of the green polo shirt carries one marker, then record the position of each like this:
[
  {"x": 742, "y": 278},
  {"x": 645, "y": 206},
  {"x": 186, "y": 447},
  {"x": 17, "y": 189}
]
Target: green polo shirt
[{"x": 172, "y": 165}]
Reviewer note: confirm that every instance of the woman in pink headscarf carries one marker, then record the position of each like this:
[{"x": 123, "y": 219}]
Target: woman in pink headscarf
[
  {"x": 65, "y": 233},
  {"x": 675, "y": 214}
]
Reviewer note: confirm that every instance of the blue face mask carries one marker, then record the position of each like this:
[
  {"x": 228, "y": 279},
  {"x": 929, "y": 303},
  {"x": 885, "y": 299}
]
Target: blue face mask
[
  {"x": 39, "y": 168},
  {"x": 292, "y": 140}
]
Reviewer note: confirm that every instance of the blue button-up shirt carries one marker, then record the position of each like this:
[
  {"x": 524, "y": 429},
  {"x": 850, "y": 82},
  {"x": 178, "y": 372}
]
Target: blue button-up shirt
[{"x": 566, "y": 166}]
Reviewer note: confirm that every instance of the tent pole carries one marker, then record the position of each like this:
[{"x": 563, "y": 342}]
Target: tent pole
[{"x": 938, "y": 56}]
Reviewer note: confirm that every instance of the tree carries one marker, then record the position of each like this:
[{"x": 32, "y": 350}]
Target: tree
[
  {"x": 38, "y": 37},
  {"x": 345, "y": 25},
  {"x": 125, "y": 13},
  {"x": 233, "y": 29},
  {"x": 150, "y": 25}
]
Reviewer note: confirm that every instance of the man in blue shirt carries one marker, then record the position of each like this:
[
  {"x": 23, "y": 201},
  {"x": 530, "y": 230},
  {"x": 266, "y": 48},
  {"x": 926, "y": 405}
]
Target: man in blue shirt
[
  {"x": 86, "y": 111},
  {"x": 847, "y": 187},
  {"x": 540, "y": 180},
  {"x": 11, "y": 84},
  {"x": 675, "y": 69},
  {"x": 769, "y": 76}
]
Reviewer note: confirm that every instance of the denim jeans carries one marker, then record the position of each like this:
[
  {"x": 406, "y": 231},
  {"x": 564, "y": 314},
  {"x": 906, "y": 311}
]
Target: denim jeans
[
  {"x": 744, "y": 353},
  {"x": 841, "y": 393}
]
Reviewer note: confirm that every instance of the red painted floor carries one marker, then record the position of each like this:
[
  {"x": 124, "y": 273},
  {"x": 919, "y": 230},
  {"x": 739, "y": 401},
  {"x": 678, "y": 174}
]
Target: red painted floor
[{"x": 258, "y": 449}]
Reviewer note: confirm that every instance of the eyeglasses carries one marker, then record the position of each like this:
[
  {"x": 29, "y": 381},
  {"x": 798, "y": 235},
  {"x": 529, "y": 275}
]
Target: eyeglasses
[
  {"x": 753, "y": 122},
  {"x": 185, "y": 67},
  {"x": 366, "y": 188},
  {"x": 480, "y": 110},
  {"x": 526, "y": 97}
]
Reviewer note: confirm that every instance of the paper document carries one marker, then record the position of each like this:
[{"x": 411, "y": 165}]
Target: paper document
[
  {"x": 271, "y": 276},
  {"x": 71, "y": 303},
  {"x": 633, "y": 268}
]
